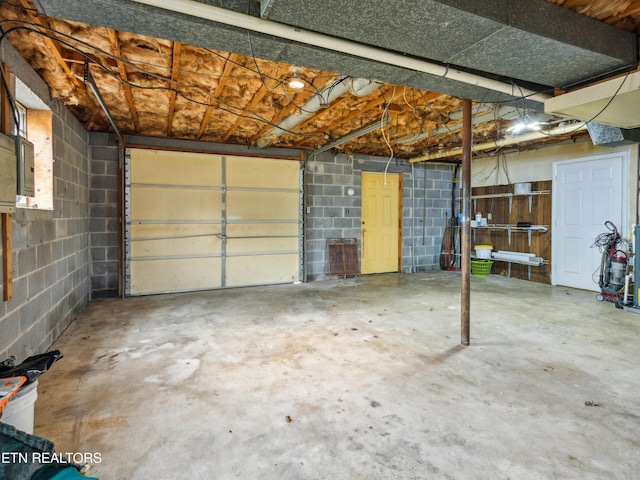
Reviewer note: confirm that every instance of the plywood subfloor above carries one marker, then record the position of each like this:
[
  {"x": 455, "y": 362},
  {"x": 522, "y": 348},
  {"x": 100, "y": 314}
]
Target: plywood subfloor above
[{"x": 161, "y": 88}]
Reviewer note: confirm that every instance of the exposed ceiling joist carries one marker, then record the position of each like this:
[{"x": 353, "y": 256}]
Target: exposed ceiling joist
[
  {"x": 55, "y": 47},
  {"x": 184, "y": 86},
  {"x": 255, "y": 101},
  {"x": 354, "y": 114},
  {"x": 573, "y": 3},
  {"x": 175, "y": 72},
  {"x": 632, "y": 9},
  {"x": 226, "y": 73},
  {"x": 115, "y": 44},
  {"x": 298, "y": 99}
]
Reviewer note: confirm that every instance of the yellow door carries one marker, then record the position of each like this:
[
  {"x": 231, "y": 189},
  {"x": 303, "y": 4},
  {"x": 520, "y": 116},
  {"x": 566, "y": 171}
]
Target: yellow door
[{"x": 380, "y": 222}]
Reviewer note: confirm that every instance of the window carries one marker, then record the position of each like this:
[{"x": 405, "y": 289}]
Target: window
[{"x": 35, "y": 124}]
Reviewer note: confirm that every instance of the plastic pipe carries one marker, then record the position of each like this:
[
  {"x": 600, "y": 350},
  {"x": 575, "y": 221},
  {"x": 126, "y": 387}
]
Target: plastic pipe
[
  {"x": 499, "y": 113},
  {"x": 248, "y": 22},
  {"x": 357, "y": 86},
  {"x": 503, "y": 142}
]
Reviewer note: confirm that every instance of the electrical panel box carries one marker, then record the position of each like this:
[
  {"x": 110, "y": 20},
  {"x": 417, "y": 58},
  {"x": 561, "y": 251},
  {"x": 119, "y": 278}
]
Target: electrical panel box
[
  {"x": 26, "y": 166},
  {"x": 8, "y": 174}
]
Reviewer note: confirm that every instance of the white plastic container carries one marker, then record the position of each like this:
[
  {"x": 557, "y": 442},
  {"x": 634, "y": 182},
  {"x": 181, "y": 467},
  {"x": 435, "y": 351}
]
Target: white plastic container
[
  {"x": 483, "y": 251},
  {"x": 19, "y": 412},
  {"x": 522, "y": 189}
]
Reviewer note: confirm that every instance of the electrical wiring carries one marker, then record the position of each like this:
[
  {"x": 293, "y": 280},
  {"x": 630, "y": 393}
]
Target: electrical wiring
[
  {"x": 217, "y": 101},
  {"x": 198, "y": 95},
  {"x": 163, "y": 67},
  {"x": 503, "y": 159},
  {"x": 482, "y": 176},
  {"x": 12, "y": 105},
  {"x": 385, "y": 116},
  {"x": 587, "y": 122},
  {"x": 281, "y": 83},
  {"x": 68, "y": 43},
  {"x": 413, "y": 108},
  {"x": 255, "y": 62},
  {"x": 22, "y": 7},
  {"x": 436, "y": 115}
]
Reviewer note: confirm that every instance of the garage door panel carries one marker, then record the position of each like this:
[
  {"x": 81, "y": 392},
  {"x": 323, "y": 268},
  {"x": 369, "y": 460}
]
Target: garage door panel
[
  {"x": 261, "y": 269},
  {"x": 175, "y": 247},
  {"x": 158, "y": 167},
  {"x": 249, "y": 172},
  {"x": 175, "y": 275},
  {"x": 263, "y": 229},
  {"x": 199, "y": 221},
  {"x": 149, "y": 231},
  {"x": 252, "y": 205},
  {"x": 250, "y": 245},
  {"x": 175, "y": 204}
]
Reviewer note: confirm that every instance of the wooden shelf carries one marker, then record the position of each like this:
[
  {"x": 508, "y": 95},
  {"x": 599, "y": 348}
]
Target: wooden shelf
[
  {"x": 510, "y": 197},
  {"x": 512, "y": 228},
  {"x": 503, "y": 233}
]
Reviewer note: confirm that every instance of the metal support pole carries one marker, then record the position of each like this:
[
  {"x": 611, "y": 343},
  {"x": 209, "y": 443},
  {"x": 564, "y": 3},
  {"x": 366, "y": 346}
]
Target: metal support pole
[{"x": 465, "y": 247}]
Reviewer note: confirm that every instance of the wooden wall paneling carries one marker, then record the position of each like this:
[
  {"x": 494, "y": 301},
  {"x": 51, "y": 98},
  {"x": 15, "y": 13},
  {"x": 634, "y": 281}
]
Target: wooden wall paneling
[{"x": 540, "y": 214}]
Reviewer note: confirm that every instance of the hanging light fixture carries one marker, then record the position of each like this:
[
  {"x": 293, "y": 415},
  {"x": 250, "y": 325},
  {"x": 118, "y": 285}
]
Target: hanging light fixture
[{"x": 295, "y": 82}]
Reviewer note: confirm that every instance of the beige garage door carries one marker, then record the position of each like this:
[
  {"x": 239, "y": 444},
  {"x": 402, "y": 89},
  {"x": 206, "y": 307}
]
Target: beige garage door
[{"x": 199, "y": 221}]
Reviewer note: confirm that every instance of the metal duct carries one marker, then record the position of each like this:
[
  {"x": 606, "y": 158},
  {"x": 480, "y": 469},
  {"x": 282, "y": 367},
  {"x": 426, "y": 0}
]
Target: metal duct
[
  {"x": 531, "y": 40},
  {"x": 609, "y": 136},
  {"x": 614, "y": 102},
  {"x": 212, "y": 32},
  {"x": 503, "y": 142},
  {"x": 357, "y": 86}
]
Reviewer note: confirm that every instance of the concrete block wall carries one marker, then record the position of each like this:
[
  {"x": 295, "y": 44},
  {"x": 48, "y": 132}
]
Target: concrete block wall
[
  {"x": 103, "y": 206},
  {"x": 50, "y": 250},
  {"x": 331, "y": 213},
  {"x": 50, "y": 247}
]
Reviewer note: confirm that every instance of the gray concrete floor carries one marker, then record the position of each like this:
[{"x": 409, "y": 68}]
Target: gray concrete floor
[{"x": 351, "y": 379}]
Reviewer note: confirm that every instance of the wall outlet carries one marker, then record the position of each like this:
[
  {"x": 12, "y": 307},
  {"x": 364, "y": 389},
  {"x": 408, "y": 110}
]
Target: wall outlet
[{"x": 489, "y": 216}]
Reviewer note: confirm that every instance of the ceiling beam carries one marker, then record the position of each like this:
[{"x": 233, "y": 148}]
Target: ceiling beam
[
  {"x": 573, "y": 3},
  {"x": 318, "y": 40},
  {"x": 298, "y": 99},
  {"x": 224, "y": 78},
  {"x": 371, "y": 104},
  {"x": 175, "y": 72},
  {"x": 632, "y": 9},
  {"x": 376, "y": 102},
  {"x": 255, "y": 101},
  {"x": 319, "y": 113},
  {"x": 115, "y": 44},
  {"x": 55, "y": 47}
]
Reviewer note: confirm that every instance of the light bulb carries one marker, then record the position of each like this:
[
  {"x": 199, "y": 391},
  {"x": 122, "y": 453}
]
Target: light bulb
[{"x": 296, "y": 83}]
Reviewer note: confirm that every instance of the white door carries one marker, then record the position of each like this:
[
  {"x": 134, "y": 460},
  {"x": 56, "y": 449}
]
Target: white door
[
  {"x": 197, "y": 221},
  {"x": 586, "y": 193}
]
